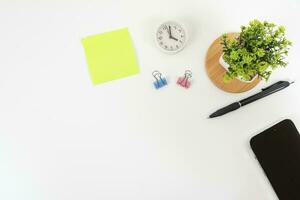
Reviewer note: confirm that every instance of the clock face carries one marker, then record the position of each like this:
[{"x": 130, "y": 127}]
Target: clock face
[{"x": 171, "y": 37}]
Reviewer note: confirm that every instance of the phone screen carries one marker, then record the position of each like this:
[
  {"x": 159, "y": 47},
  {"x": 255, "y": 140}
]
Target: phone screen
[{"x": 278, "y": 151}]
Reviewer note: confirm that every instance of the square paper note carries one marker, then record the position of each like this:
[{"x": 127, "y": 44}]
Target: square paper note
[{"x": 110, "y": 56}]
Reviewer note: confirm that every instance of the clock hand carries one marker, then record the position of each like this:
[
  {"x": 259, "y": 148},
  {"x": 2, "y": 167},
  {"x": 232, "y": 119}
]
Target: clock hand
[
  {"x": 170, "y": 33},
  {"x": 173, "y": 38}
]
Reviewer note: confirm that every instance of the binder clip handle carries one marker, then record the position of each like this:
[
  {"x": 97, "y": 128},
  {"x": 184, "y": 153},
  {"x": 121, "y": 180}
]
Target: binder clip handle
[
  {"x": 188, "y": 74},
  {"x": 156, "y": 74}
]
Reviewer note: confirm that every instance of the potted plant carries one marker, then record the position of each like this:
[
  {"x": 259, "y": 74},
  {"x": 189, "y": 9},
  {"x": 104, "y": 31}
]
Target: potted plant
[{"x": 259, "y": 48}]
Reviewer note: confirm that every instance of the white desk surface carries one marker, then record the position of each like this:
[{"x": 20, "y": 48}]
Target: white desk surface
[{"x": 63, "y": 139}]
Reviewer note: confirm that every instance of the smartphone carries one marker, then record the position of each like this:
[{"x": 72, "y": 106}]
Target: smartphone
[{"x": 277, "y": 149}]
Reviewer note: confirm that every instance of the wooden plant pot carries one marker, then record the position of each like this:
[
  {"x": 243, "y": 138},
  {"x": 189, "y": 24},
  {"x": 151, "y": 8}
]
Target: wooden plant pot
[{"x": 216, "y": 72}]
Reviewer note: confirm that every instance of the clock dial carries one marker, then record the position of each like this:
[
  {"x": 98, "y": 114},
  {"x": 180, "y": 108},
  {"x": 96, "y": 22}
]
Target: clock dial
[{"x": 171, "y": 37}]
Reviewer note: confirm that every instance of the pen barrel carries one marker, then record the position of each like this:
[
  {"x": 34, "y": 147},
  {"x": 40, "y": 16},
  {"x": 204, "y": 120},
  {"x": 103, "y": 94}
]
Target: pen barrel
[
  {"x": 230, "y": 108},
  {"x": 226, "y": 109},
  {"x": 253, "y": 98}
]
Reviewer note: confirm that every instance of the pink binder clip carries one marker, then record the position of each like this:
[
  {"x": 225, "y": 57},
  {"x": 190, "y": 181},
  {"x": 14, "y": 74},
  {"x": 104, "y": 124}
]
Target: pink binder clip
[{"x": 184, "y": 81}]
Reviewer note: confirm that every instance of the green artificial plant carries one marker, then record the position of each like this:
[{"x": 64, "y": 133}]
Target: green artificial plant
[{"x": 260, "y": 48}]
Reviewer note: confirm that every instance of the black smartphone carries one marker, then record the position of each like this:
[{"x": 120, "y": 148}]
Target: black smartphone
[{"x": 278, "y": 151}]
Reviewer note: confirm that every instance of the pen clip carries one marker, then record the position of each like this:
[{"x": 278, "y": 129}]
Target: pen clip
[{"x": 277, "y": 83}]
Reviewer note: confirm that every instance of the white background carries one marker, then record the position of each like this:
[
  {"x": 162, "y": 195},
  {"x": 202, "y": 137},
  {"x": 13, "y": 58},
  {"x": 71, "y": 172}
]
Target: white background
[{"x": 61, "y": 138}]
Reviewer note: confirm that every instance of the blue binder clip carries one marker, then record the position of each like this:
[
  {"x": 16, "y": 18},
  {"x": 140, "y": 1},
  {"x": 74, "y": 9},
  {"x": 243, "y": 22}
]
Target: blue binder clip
[{"x": 160, "y": 81}]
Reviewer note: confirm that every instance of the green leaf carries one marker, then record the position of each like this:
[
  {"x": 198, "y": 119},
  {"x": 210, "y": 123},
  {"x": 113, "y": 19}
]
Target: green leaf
[
  {"x": 260, "y": 52},
  {"x": 262, "y": 66},
  {"x": 234, "y": 55},
  {"x": 227, "y": 77}
]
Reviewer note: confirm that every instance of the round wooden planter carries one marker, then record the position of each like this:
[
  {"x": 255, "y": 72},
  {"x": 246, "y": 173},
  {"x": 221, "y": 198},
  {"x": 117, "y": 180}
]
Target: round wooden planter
[{"x": 216, "y": 72}]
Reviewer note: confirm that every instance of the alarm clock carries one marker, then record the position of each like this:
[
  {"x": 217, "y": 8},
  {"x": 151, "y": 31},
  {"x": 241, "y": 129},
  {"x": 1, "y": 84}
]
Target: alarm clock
[{"x": 171, "y": 37}]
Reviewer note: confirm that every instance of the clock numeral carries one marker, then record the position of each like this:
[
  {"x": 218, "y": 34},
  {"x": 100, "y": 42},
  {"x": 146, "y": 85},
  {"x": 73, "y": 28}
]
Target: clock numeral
[
  {"x": 160, "y": 37},
  {"x": 179, "y": 30},
  {"x": 165, "y": 27},
  {"x": 180, "y": 41},
  {"x": 161, "y": 43},
  {"x": 181, "y": 36},
  {"x": 171, "y": 47},
  {"x": 166, "y": 47},
  {"x": 160, "y": 32},
  {"x": 177, "y": 46}
]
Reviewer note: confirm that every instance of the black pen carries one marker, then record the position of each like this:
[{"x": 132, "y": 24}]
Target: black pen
[{"x": 265, "y": 92}]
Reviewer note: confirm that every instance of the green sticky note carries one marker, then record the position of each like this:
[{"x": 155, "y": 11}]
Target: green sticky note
[{"x": 110, "y": 56}]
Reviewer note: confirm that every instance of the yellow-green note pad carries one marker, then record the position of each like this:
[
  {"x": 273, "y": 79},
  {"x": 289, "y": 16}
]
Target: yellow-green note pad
[{"x": 110, "y": 56}]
